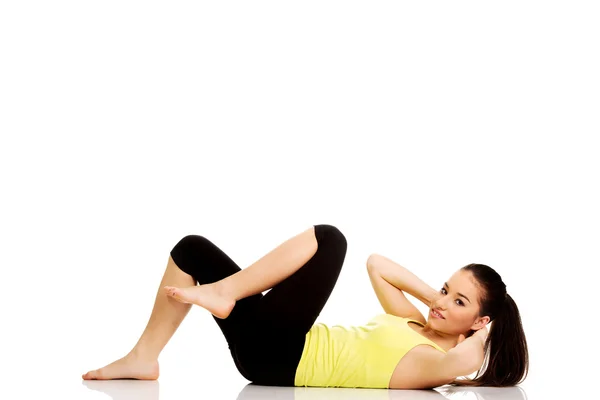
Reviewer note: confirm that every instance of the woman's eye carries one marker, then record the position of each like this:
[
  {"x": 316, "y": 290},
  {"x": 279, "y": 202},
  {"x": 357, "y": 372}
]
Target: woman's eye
[{"x": 443, "y": 290}]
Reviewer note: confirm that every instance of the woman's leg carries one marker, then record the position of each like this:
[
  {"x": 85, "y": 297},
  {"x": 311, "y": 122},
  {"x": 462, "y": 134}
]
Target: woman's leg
[
  {"x": 167, "y": 314},
  {"x": 194, "y": 259},
  {"x": 274, "y": 335}
]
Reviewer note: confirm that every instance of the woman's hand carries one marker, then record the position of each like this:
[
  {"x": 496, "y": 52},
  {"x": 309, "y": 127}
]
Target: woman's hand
[
  {"x": 480, "y": 334},
  {"x": 468, "y": 354}
]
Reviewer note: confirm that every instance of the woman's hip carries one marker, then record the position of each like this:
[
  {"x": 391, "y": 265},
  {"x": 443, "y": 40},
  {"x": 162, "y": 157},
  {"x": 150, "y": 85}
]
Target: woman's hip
[{"x": 269, "y": 355}]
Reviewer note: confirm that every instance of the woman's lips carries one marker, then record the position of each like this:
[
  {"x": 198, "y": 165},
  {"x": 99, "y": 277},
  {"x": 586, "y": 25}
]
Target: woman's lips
[{"x": 436, "y": 314}]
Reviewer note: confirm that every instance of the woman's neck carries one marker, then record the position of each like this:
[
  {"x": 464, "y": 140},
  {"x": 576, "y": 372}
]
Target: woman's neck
[{"x": 439, "y": 337}]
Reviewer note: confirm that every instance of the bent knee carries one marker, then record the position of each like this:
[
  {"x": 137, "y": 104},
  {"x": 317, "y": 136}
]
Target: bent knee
[
  {"x": 192, "y": 241},
  {"x": 326, "y": 233},
  {"x": 189, "y": 245}
]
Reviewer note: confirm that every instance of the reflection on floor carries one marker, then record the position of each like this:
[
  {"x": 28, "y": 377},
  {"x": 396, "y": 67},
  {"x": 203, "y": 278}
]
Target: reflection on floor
[{"x": 149, "y": 390}]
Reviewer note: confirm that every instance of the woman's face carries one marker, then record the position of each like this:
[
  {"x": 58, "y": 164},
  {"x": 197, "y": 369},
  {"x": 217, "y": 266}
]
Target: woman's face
[{"x": 458, "y": 302}]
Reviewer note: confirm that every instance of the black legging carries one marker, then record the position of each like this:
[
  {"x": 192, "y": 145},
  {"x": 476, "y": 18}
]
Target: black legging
[{"x": 266, "y": 333}]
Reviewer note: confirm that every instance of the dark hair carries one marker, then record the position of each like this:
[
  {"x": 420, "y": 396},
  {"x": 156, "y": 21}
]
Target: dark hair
[{"x": 506, "y": 358}]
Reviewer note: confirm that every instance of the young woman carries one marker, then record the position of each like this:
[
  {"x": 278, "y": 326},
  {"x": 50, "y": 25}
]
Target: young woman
[{"x": 274, "y": 340}]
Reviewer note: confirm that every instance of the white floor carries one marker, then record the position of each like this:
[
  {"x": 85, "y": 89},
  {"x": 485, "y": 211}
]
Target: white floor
[
  {"x": 167, "y": 389},
  {"x": 153, "y": 391}
]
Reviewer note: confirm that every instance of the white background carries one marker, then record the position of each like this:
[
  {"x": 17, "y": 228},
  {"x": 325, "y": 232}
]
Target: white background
[{"x": 437, "y": 134}]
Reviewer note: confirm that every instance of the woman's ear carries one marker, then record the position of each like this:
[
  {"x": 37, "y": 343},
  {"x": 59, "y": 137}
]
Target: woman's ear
[{"x": 481, "y": 322}]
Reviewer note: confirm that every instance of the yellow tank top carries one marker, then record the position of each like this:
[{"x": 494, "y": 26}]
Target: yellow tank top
[{"x": 357, "y": 356}]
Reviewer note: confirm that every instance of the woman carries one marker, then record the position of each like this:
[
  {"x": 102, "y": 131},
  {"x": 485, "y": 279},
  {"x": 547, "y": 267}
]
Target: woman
[{"x": 274, "y": 340}]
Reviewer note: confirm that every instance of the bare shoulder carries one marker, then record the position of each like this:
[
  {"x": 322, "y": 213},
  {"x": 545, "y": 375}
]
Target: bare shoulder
[{"x": 420, "y": 368}]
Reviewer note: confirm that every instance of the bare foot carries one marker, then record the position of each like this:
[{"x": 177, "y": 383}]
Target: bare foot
[
  {"x": 128, "y": 367},
  {"x": 206, "y": 296}
]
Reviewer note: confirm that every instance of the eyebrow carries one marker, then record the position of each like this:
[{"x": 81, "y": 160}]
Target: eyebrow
[{"x": 460, "y": 294}]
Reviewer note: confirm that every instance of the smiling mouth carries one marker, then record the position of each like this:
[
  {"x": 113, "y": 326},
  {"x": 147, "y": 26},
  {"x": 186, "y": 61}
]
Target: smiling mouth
[{"x": 437, "y": 314}]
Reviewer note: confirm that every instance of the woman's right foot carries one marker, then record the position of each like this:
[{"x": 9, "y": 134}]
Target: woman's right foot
[
  {"x": 207, "y": 296},
  {"x": 128, "y": 367}
]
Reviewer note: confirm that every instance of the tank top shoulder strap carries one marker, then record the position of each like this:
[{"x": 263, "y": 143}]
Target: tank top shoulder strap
[{"x": 414, "y": 320}]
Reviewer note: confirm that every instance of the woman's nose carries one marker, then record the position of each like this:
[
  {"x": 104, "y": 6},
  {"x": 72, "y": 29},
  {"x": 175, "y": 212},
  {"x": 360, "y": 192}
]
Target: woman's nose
[{"x": 440, "y": 304}]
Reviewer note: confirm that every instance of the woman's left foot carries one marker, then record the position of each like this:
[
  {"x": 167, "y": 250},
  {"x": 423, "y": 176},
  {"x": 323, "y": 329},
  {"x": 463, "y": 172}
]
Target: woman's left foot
[
  {"x": 206, "y": 296},
  {"x": 128, "y": 367}
]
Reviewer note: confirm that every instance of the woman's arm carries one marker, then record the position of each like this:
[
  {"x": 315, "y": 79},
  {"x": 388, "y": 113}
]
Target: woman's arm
[
  {"x": 432, "y": 368},
  {"x": 401, "y": 278}
]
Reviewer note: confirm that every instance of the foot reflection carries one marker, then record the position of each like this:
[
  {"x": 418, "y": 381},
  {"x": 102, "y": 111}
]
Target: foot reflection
[{"x": 122, "y": 389}]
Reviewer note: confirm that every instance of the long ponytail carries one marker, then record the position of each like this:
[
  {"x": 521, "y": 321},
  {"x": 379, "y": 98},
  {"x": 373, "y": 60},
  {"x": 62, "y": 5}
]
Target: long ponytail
[{"x": 506, "y": 357}]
